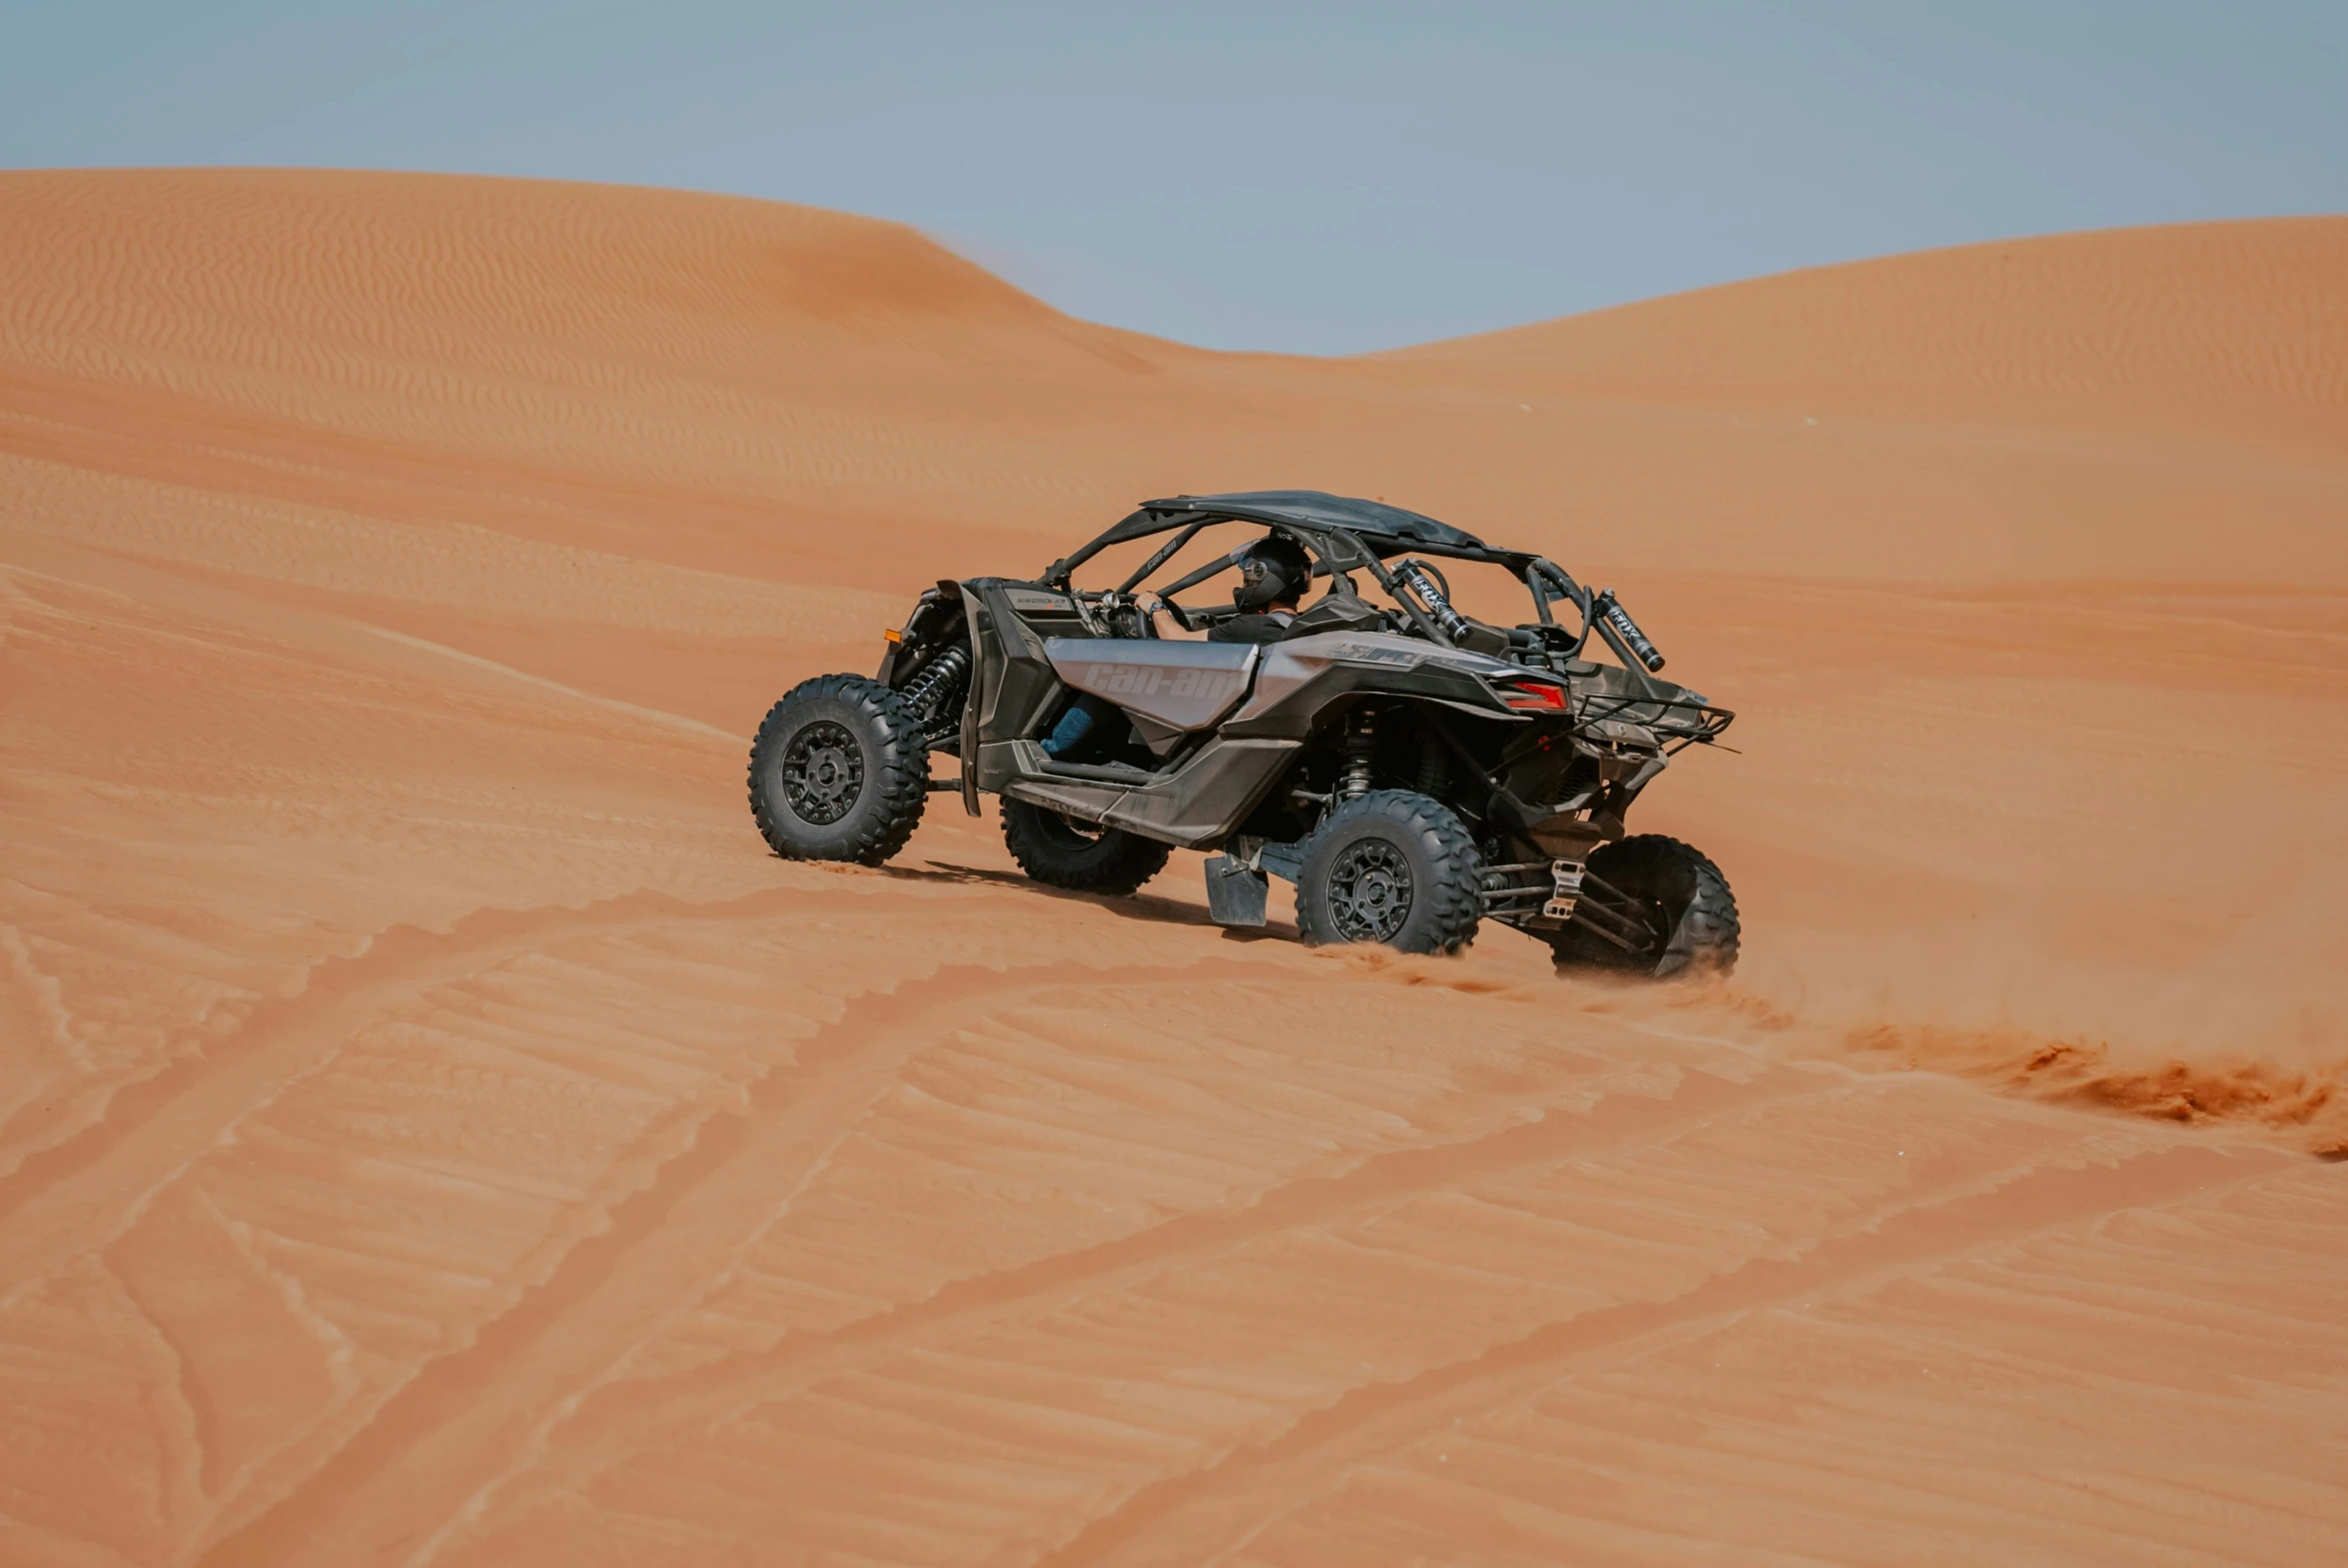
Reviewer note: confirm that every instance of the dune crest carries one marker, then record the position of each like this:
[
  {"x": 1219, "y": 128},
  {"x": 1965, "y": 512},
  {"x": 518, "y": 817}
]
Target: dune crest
[
  {"x": 2238, "y": 329},
  {"x": 432, "y": 1130}
]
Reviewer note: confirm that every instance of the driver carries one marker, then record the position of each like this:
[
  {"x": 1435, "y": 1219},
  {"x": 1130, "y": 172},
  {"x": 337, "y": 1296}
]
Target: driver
[{"x": 1274, "y": 572}]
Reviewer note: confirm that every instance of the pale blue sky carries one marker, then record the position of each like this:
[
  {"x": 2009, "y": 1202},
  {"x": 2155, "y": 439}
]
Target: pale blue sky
[{"x": 1312, "y": 178}]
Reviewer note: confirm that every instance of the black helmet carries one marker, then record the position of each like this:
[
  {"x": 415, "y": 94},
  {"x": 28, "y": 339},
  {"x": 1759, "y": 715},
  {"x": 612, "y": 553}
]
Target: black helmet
[{"x": 1271, "y": 569}]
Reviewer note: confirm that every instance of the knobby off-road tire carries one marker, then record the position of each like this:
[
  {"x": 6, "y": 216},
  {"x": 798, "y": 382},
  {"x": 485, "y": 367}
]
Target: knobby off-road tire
[
  {"x": 1681, "y": 897},
  {"x": 1393, "y": 867},
  {"x": 1062, "y": 851},
  {"x": 839, "y": 772}
]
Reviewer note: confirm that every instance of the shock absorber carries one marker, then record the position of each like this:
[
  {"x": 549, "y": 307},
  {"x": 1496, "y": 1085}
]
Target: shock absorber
[
  {"x": 932, "y": 692},
  {"x": 1361, "y": 748},
  {"x": 1610, "y": 610},
  {"x": 1432, "y": 595}
]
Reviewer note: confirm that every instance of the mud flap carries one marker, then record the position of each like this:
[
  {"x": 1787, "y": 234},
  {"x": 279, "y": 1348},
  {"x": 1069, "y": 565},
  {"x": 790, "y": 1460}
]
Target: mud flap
[{"x": 1236, "y": 893}]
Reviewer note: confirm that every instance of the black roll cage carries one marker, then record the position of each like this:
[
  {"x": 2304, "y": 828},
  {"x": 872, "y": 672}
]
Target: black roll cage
[{"x": 1338, "y": 548}]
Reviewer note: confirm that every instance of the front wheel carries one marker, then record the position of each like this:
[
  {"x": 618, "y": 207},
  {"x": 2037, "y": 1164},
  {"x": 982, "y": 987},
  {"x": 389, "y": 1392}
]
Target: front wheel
[
  {"x": 1395, "y": 868},
  {"x": 1665, "y": 903},
  {"x": 839, "y": 772}
]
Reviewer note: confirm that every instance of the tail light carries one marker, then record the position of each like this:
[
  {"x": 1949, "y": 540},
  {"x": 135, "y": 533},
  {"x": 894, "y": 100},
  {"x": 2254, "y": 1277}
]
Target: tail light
[{"x": 1538, "y": 697}]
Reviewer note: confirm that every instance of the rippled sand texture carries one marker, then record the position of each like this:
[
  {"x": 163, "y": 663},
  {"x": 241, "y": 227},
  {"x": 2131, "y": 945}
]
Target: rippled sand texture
[{"x": 433, "y": 1130}]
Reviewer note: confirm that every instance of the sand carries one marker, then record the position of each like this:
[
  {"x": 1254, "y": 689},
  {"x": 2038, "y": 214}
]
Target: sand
[{"x": 432, "y": 1130}]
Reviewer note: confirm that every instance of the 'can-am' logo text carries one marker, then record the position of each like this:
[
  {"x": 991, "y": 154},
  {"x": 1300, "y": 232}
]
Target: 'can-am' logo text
[{"x": 1154, "y": 681}]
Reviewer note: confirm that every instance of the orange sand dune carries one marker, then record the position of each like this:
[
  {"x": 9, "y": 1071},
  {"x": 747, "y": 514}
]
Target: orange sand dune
[{"x": 433, "y": 1132}]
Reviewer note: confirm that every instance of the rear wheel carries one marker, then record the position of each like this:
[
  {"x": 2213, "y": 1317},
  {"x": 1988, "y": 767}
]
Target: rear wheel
[
  {"x": 1668, "y": 902},
  {"x": 1395, "y": 868},
  {"x": 839, "y": 772},
  {"x": 1068, "y": 851}
]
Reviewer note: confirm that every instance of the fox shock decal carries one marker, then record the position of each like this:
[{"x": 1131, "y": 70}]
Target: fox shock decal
[
  {"x": 1613, "y": 612},
  {"x": 1438, "y": 603}
]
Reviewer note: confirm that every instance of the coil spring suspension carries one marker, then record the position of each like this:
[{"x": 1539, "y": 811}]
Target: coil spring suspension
[
  {"x": 1361, "y": 748},
  {"x": 932, "y": 693}
]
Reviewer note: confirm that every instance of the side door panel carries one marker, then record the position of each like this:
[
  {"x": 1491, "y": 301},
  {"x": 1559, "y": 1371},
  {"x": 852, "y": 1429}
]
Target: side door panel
[
  {"x": 1170, "y": 689},
  {"x": 1015, "y": 687},
  {"x": 985, "y": 663}
]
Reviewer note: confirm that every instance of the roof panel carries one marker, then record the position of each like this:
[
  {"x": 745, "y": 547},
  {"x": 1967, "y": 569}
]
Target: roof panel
[{"x": 1309, "y": 508}]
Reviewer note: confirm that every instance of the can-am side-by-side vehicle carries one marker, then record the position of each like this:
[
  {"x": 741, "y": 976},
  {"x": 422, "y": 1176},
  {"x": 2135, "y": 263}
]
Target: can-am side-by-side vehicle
[{"x": 1413, "y": 770}]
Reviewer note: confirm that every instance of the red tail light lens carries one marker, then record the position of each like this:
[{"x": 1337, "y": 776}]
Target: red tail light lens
[{"x": 1534, "y": 696}]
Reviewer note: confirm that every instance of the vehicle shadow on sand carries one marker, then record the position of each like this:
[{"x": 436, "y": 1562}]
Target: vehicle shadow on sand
[{"x": 1133, "y": 906}]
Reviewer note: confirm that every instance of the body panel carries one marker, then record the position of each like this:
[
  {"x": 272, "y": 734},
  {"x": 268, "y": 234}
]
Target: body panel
[
  {"x": 1183, "y": 686},
  {"x": 1196, "y": 805},
  {"x": 1017, "y": 687},
  {"x": 1288, "y": 666},
  {"x": 1303, "y": 678}
]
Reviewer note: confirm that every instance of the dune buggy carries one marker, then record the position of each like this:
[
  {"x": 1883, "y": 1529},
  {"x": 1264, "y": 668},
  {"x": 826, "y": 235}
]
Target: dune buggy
[{"x": 1412, "y": 770}]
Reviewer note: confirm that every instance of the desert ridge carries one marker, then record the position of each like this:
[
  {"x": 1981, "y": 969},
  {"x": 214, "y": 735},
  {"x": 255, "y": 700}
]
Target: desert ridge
[
  {"x": 433, "y": 1130},
  {"x": 2206, "y": 332}
]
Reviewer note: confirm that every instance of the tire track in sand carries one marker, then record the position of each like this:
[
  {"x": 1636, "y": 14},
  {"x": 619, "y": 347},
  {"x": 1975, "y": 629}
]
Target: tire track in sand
[
  {"x": 424, "y": 1448},
  {"x": 620, "y": 1419},
  {"x": 1207, "y": 1511},
  {"x": 81, "y": 1192}
]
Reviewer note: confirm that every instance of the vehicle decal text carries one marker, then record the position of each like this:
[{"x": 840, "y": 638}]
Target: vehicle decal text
[
  {"x": 1374, "y": 653},
  {"x": 1158, "y": 681}
]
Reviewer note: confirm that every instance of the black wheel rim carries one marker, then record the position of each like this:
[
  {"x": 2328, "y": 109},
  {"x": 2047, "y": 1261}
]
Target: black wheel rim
[
  {"x": 823, "y": 773},
  {"x": 1369, "y": 891}
]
